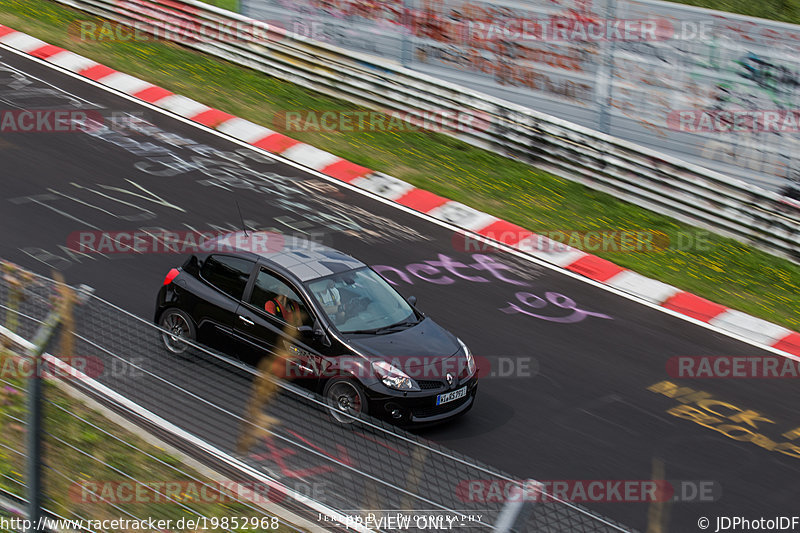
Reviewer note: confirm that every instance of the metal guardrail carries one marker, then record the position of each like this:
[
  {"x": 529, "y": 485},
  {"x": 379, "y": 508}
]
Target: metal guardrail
[
  {"x": 201, "y": 402},
  {"x": 627, "y": 88},
  {"x": 81, "y": 467},
  {"x": 644, "y": 177}
]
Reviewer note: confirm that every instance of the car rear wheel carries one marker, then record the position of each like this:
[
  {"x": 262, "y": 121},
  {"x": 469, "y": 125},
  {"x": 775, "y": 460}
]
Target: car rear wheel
[
  {"x": 180, "y": 328},
  {"x": 346, "y": 399}
]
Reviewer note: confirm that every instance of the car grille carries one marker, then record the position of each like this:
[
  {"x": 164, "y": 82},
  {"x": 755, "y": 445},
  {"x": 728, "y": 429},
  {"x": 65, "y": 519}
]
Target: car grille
[
  {"x": 428, "y": 384},
  {"x": 433, "y": 410}
]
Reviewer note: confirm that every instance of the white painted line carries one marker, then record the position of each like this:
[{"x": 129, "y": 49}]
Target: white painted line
[
  {"x": 243, "y": 130},
  {"x": 549, "y": 250},
  {"x": 180, "y": 433},
  {"x": 22, "y": 41},
  {"x": 647, "y": 288},
  {"x": 463, "y": 216},
  {"x": 125, "y": 83},
  {"x": 540, "y": 243},
  {"x": 181, "y": 105},
  {"x": 204, "y": 471},
  {"x": 386, "y": 186},
  {"x": 509, "y": 249},
  {"x": 71, "y": 61},
  {"x": 311, "y": 157},
  {"x": 749, "y": 326},
  {"x": 560, "y": 258}
]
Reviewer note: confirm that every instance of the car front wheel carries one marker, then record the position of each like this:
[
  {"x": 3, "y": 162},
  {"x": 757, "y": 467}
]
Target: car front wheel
[{"x": 346, "y": 399}]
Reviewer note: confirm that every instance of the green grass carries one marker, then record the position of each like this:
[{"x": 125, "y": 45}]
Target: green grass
[
  {"x": 230, "y": 5},
  {"x": 727, "y": 272},
  {"x": 783, "y": 10},
  {"x": 87, "y": 431}
]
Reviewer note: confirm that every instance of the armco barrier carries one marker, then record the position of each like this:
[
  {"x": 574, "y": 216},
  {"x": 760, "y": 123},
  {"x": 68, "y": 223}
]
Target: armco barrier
[
  {"x": 701, "y": 59},
  {"x": 201, "y": 401},
  {"x": 107, "y": 471},
  {"x": 647, "y": 178}
]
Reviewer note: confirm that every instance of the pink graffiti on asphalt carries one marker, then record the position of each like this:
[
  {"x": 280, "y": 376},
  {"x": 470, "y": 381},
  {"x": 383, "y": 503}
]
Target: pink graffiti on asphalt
[{"x": 446, "y": 271}]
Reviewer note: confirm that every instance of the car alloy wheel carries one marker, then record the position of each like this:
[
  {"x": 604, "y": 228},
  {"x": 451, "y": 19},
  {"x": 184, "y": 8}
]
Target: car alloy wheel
[
  {"x": 179, "y": 328},
  {"x": 346, "y": 400}
]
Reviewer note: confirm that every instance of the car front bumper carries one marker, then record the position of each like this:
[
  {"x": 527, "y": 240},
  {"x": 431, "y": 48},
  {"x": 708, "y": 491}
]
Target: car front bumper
[{"x": 419, "y": 408}]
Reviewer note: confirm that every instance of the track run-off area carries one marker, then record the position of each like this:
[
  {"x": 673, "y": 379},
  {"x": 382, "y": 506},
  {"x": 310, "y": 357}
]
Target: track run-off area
[{"x": 576, "y": 379}]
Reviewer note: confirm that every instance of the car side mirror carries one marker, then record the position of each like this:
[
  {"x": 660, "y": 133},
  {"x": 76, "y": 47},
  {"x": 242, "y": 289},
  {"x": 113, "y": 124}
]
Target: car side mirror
[
  {"x": 314, "y": 332},
  {"x": 412, "y": 300}
]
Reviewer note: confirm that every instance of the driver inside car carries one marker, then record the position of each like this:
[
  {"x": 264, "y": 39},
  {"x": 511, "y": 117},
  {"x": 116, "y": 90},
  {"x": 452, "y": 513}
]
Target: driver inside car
[{"x": 331, "y": 302}]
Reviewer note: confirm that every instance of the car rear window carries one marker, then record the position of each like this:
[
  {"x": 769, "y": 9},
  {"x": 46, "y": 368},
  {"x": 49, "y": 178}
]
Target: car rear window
[{"x": 228, "y": 274}]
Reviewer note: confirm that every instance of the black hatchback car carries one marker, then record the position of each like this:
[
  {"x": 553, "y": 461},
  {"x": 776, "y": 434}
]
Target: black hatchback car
[{"x": 335, "y": 326}]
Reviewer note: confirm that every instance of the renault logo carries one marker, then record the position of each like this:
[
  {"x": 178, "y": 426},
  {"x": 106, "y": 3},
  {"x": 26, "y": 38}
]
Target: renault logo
[{"x": 449, "y": 377}]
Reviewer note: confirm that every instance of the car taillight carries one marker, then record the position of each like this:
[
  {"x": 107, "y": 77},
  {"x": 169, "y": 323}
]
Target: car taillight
[{"x": 172, "y": 274}]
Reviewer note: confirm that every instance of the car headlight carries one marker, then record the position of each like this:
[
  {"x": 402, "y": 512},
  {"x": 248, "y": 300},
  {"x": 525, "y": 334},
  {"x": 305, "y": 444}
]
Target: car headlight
[
  {"x": 393, "y": 377},
  {"x": 470, "y": 359}
]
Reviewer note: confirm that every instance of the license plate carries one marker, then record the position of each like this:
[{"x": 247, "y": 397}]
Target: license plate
[{"x": 450, "y": 396}]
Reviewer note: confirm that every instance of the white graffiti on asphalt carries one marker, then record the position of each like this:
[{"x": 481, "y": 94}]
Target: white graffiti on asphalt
[
  {"x": 21, "y": 90},
  {"x": 311, "y": 206}
]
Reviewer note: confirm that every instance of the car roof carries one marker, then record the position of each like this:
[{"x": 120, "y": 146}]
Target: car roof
[{"x": 305, "y": 259}]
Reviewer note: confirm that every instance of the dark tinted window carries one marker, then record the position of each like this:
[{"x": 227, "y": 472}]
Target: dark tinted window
[{"x": 228, "y": 274}]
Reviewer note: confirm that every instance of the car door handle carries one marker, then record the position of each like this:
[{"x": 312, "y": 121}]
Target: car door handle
[
  {"x": 246, "y": 320},
  {"x": 305, "y": 367}
]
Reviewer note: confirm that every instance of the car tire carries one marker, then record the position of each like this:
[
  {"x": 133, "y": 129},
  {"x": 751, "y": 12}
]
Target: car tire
[
  {"x": 346, "y": 400},
  {"x": 181, "y": 327}
]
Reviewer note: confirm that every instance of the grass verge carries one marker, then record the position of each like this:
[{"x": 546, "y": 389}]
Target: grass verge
[
  {"x": 782, "y": 10},
  {"x": 71, "y": 424},
  {"x": 230, "y": 5},
  {"x": 82, "y": 446},
  {"x": 721, "y": 269}
]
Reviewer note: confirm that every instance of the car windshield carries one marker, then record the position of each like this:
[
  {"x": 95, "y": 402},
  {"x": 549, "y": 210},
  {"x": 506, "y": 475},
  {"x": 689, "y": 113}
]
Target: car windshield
[{"x": 360, "y": 301}]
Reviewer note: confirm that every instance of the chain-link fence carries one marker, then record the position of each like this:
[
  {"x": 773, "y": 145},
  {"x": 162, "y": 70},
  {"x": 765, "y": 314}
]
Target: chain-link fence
[
  {"x": 367, "y": 473},
  {"x": 94, "y": 468}
]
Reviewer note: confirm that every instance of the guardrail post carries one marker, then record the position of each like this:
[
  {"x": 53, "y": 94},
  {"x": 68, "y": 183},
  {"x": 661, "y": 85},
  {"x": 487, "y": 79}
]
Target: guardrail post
[
  {"x": 643, "y": 176},
  {"x": 514, "y": 516},
  {"x": 605, "y": 76},
  {"x": 406, "y": 23},
  {"x": 62, "y": 308}
]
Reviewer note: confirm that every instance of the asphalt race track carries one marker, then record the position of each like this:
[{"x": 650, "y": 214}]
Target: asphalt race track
[{"x": 567, "y": 396}]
